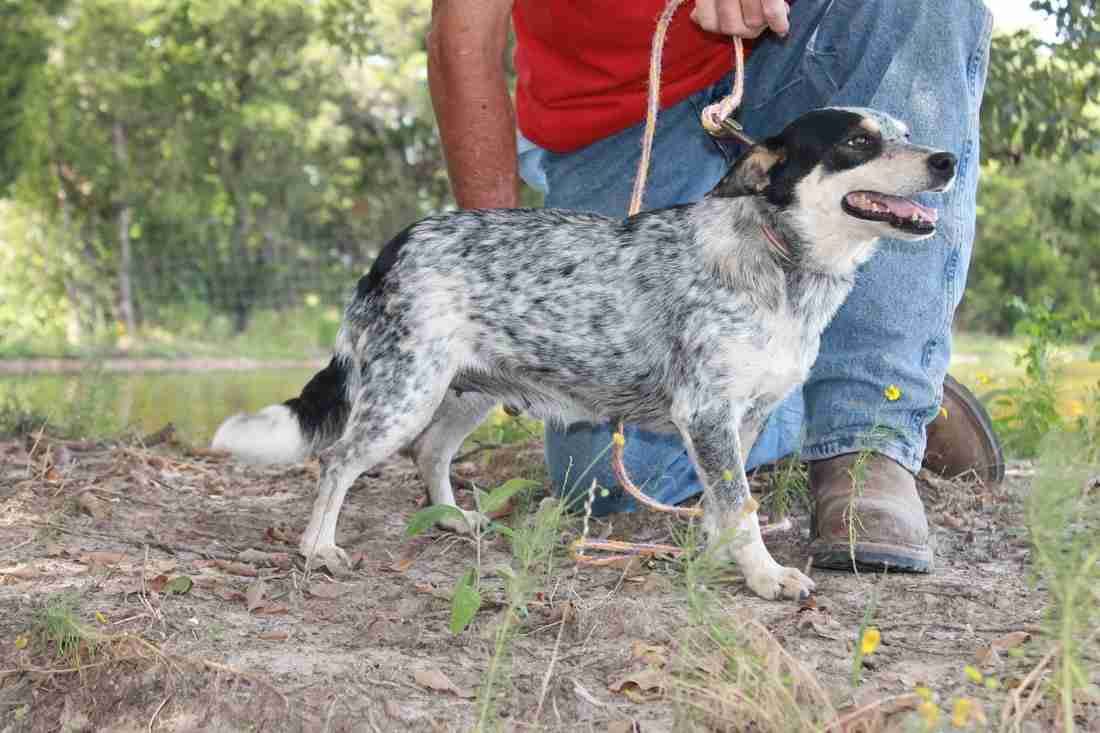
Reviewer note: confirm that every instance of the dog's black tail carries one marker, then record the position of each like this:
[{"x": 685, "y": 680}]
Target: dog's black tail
[{"x": 290, "y": 432}]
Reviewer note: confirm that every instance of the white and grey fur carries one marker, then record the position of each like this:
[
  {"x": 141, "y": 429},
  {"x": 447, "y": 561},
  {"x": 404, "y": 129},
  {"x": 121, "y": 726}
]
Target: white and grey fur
[{"x": 685, "y": 319}]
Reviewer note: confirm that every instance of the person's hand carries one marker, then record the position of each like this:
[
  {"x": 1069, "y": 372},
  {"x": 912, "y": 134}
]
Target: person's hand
[{"x": 744, "y": 18}]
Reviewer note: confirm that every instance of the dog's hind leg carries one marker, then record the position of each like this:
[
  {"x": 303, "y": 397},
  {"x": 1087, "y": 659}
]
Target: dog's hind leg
[
  {"x": 711, "y": 436},
  {"x": 380, "y": 423},
  {"x": 433, "y": 450}
]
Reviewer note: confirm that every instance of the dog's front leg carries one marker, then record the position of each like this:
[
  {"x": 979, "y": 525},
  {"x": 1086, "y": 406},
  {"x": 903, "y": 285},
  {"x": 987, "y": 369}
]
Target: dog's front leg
[{"x": 730, "y": 518}]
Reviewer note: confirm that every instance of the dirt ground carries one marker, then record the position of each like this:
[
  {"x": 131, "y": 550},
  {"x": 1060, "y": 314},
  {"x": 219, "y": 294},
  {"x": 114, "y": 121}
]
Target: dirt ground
[{"x": 252, "y": 644}]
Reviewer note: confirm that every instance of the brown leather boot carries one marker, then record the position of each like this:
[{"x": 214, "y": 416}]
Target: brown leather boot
[
  {"x": 866, "y": 509},
  {"x": 961, "y": 438}
]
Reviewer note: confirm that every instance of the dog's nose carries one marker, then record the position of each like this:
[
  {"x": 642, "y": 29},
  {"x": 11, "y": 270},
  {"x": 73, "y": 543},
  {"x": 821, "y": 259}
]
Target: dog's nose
[{"x": 942, "y": 164}]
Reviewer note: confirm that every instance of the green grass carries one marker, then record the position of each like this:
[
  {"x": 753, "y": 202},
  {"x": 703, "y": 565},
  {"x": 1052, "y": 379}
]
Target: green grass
[
  {"x": 293, "y": 333},
  {"x": 987, "y": 364}
]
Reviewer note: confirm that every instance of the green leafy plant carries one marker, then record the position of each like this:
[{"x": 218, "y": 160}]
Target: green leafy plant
[
  {"x": 1063, "y": 519},
  {"x": 533, "y": 551},
  {"x": 787, "y": 485},
  {"x": 1088, "y": 422},
  {"x": 1029, "y": 409},
  {"x": 466, "y": 597},
  {"x": 59, "y": 629}
]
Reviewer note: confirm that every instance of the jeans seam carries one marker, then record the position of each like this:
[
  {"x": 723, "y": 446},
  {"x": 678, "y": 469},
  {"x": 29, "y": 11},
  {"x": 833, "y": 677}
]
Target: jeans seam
[{"x": 797, "y": 79}]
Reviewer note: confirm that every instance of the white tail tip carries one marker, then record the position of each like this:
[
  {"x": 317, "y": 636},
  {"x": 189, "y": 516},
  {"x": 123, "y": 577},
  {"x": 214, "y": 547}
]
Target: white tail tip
[{"x": 272, "y": 435}]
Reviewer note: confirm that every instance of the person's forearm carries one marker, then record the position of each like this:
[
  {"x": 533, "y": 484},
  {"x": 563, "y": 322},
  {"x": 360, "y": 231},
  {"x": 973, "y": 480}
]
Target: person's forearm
[{"x": 470, "y": 95}]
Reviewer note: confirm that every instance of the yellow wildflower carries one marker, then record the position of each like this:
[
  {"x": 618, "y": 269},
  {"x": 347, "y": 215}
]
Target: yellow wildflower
[
  {"x": 727, "y": 475},
  {"x": 619, "y": 440},
  {"x": 983, "y": 378},
  {"x": 960, "y": 714},
  {"x": 973, "y": 674},
  {"x": 892, "y": 393},
  {"x": 943, "y": 412},
  {"x": 870, "y": 641},
  {"x": 930, "y": 711},
  {"x": 21, "y": 642},
  {"x": 100, "y": 617},
  {"x": 923, "y": 693}
]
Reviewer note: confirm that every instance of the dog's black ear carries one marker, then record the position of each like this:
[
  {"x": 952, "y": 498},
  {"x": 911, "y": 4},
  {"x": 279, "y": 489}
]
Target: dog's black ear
[{"x": 751, "y": 173}]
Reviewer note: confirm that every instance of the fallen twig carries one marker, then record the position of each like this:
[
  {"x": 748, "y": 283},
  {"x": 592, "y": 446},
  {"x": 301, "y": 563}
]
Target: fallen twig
[
  {"x": 141, "y": 542},
  {"x": 156, "y": 712},
  {"x": 842, "y": 722},
  {"x": 480, "y": 447},
  {"x": 16, "y": 546},
  {"x": 550, "y": 668}
]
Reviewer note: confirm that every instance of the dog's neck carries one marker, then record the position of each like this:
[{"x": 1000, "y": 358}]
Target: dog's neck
[
  {"x": 748, "y": 232},
  {"x": 755, "y": 250}
]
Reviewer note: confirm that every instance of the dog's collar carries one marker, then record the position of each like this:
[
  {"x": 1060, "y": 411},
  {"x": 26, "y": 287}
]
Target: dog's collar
[{"x": 777, "y": 244}]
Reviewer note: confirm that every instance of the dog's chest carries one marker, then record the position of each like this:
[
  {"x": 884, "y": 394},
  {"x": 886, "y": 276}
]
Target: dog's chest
[{"x": 771, "y": 358}]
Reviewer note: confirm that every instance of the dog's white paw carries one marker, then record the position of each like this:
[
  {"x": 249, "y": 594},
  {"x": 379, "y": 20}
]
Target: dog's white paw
[
  {"x": 331, "y": 557},
  {"x": 467, "y": 524},
  {"x": 779, "y": 582}
]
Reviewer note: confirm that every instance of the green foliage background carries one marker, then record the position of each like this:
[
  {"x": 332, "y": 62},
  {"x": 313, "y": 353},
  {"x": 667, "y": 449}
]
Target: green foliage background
[{"x": 191, "y": 166}]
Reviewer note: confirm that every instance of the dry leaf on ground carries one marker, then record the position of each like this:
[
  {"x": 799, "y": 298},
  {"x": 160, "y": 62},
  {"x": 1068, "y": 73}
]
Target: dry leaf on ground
[
  {"x": 1011, "y": 640},
  {"x": 94, "y": 506},
  {"x": 990, "y": 655},
  {"x": 640, "y": 686},
  {"x": 236, "y": 568},
  {"x": 22, "y": 572},
  {"x": 157, "y": 584},
  {"x": 433, "y": 679}
]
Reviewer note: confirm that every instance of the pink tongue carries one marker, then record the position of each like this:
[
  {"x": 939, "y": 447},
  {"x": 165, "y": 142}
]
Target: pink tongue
[{"x": 905, "y": 209}]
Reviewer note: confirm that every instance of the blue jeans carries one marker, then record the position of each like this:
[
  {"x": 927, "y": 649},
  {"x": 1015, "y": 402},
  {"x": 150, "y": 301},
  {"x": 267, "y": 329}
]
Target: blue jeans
[{"x": 923, "y": 61}]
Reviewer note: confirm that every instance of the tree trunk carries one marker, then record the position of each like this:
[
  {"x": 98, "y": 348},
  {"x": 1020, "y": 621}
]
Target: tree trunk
[{"x": 125, "y": 215}]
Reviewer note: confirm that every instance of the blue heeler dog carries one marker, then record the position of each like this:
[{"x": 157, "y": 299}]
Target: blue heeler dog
[{"x": 697, "y": 319}]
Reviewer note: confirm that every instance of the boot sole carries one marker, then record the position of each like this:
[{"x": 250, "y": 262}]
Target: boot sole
[{"x": 872, "y": 557}]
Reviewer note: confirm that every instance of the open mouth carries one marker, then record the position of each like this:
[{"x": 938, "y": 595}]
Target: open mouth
[{"x": 898, "y": 212}]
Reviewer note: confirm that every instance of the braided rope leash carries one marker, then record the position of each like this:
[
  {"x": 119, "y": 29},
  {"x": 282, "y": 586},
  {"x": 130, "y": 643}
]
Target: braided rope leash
[{"x": 717, "y": 119}]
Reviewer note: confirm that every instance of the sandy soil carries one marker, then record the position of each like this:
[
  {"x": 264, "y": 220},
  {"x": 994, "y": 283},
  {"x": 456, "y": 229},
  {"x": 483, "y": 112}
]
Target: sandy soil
[{"x": 254, "y": 644}]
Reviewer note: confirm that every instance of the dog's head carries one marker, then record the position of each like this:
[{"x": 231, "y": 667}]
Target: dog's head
[{"x": 850, "y": 172}]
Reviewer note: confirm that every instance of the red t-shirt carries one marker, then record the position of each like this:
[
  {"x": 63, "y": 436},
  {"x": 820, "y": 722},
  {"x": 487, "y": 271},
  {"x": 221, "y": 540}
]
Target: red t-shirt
[{"x": 583, "y": 66}]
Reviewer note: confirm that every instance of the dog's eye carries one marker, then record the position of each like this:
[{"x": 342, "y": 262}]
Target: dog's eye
[{"x": 859, "y": 142}]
